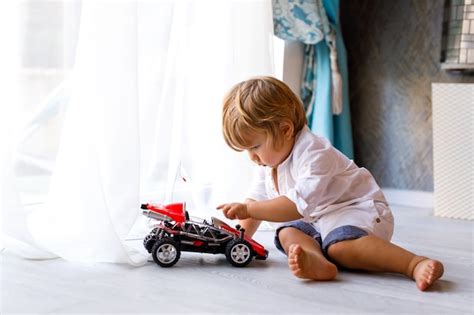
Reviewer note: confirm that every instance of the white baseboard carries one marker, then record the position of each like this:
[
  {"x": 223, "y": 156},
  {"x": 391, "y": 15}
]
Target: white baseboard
[{"x": 409, "y": 198}]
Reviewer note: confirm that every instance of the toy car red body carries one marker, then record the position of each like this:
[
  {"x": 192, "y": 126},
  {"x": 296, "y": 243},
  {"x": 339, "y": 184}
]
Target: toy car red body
[{"x": 175, "y": 233}]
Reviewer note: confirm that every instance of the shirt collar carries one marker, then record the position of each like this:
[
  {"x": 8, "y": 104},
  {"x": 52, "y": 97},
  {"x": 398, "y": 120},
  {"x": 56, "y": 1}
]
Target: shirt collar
[{"x": 297, "y": 140}]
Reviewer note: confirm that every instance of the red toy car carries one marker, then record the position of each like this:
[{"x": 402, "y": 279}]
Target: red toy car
[{"x": 175, "y": 233}]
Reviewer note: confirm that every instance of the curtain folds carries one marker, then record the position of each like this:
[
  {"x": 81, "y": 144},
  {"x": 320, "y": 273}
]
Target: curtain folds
[
  {"x": 143, "y": 112},
  {"x": 324, "y": 88}
]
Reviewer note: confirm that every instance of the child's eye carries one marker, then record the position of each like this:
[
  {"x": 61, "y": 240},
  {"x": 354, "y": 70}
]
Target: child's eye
[{"x": 255, "y": 147}]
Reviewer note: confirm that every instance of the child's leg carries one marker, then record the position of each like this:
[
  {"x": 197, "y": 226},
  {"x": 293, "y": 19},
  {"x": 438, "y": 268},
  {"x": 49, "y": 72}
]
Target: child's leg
[
  {"x": 375, "y": 254},
  {"x": 305, "y": 257}
]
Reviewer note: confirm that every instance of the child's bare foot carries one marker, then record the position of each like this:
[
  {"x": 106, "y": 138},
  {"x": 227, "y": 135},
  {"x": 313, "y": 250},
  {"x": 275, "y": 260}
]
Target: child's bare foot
[
  {"x": 309, "y": 265},
  {"x": 426, "y": 272}
]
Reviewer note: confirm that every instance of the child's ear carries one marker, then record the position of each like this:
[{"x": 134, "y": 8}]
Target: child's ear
[{"x": 287, "y": 128}]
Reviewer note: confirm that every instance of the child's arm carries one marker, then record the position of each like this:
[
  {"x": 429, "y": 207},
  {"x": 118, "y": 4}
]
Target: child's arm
[
  {"x": 280, "y": 209},
  {"x": 250, "y": 225}
]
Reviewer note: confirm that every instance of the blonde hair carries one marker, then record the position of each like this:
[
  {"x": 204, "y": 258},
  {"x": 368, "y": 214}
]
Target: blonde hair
[{"x": 260, "y": 104}]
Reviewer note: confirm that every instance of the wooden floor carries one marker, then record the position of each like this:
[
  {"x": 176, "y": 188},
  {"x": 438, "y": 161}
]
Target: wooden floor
[{"x": 208, "y": 284}]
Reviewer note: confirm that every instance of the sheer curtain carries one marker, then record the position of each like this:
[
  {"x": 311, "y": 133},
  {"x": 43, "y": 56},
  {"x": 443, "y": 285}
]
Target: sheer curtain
[{"x": 139, "y": 112}]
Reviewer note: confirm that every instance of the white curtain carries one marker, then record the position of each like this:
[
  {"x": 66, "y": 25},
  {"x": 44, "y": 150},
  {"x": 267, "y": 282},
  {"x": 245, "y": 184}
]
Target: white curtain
[{"x": 139, "y": 112}]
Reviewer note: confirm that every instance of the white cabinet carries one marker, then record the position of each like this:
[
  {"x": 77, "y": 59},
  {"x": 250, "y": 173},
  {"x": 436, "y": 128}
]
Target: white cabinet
[{"x": 453, "y": 148}]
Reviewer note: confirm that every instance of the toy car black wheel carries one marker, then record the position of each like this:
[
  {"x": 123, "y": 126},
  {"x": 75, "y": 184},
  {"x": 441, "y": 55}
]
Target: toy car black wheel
[
  {"x": 148, "y": 241},
  {"x": 166, "y": 252},
  {"x": 239, "y": 253}
]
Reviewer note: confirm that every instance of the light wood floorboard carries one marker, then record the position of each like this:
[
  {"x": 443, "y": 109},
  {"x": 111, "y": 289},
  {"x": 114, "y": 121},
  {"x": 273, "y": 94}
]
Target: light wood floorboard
[{"x": 202, "y": 283}]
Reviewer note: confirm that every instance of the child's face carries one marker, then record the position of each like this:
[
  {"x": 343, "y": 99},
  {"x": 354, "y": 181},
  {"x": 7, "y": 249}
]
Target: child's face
[{"x": 263, "y": 152}]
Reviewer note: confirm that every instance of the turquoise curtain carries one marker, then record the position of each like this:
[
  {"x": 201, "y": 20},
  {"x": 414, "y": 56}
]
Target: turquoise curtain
[{"x": 311, "y": 21}]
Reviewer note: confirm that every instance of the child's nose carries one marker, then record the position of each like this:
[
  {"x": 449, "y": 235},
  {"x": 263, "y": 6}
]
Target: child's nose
[{"x": 254, "y": 157}]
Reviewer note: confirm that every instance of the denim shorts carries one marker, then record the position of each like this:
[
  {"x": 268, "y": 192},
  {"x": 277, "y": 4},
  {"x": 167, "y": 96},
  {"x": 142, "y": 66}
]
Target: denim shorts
[{"x": 342, "y": 233}]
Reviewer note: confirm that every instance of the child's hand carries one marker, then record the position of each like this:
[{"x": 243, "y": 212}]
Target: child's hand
[{"x": 235, "y": 210}]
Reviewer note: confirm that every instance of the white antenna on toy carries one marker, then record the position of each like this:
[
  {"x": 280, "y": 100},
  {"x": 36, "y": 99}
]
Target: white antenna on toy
[
  {"x": 170, "y": 192},
  {"x": 199, "y": 205},
  {"x": 180, "y": 174}
]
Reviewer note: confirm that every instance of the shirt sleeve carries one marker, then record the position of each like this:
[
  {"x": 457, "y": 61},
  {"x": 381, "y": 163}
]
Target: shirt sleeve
[{"x": 257, "y": 190}]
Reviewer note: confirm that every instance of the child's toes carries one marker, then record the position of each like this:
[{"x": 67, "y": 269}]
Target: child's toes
[
  {"x": 298, "y": 273},
  {"x": 426, "y": 272},
  {"x": 297, "y": 250},
  {"x": 421, "y": 285},
  {"x": 293, "y": 265},
  {"x": 294, "y": 252},
  {"x": 291, "y": 249}
]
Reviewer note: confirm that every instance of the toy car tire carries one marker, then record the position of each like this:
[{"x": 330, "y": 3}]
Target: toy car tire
[
  {"x": 149, "y": 241},
  {"x": 239, "y": 253},
  {"x": 165, "y": 252}
]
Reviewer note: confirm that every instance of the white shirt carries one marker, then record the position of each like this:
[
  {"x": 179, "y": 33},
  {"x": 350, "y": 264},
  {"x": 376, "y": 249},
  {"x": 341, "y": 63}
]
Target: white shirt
[{"x": 317, "y": 178}]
